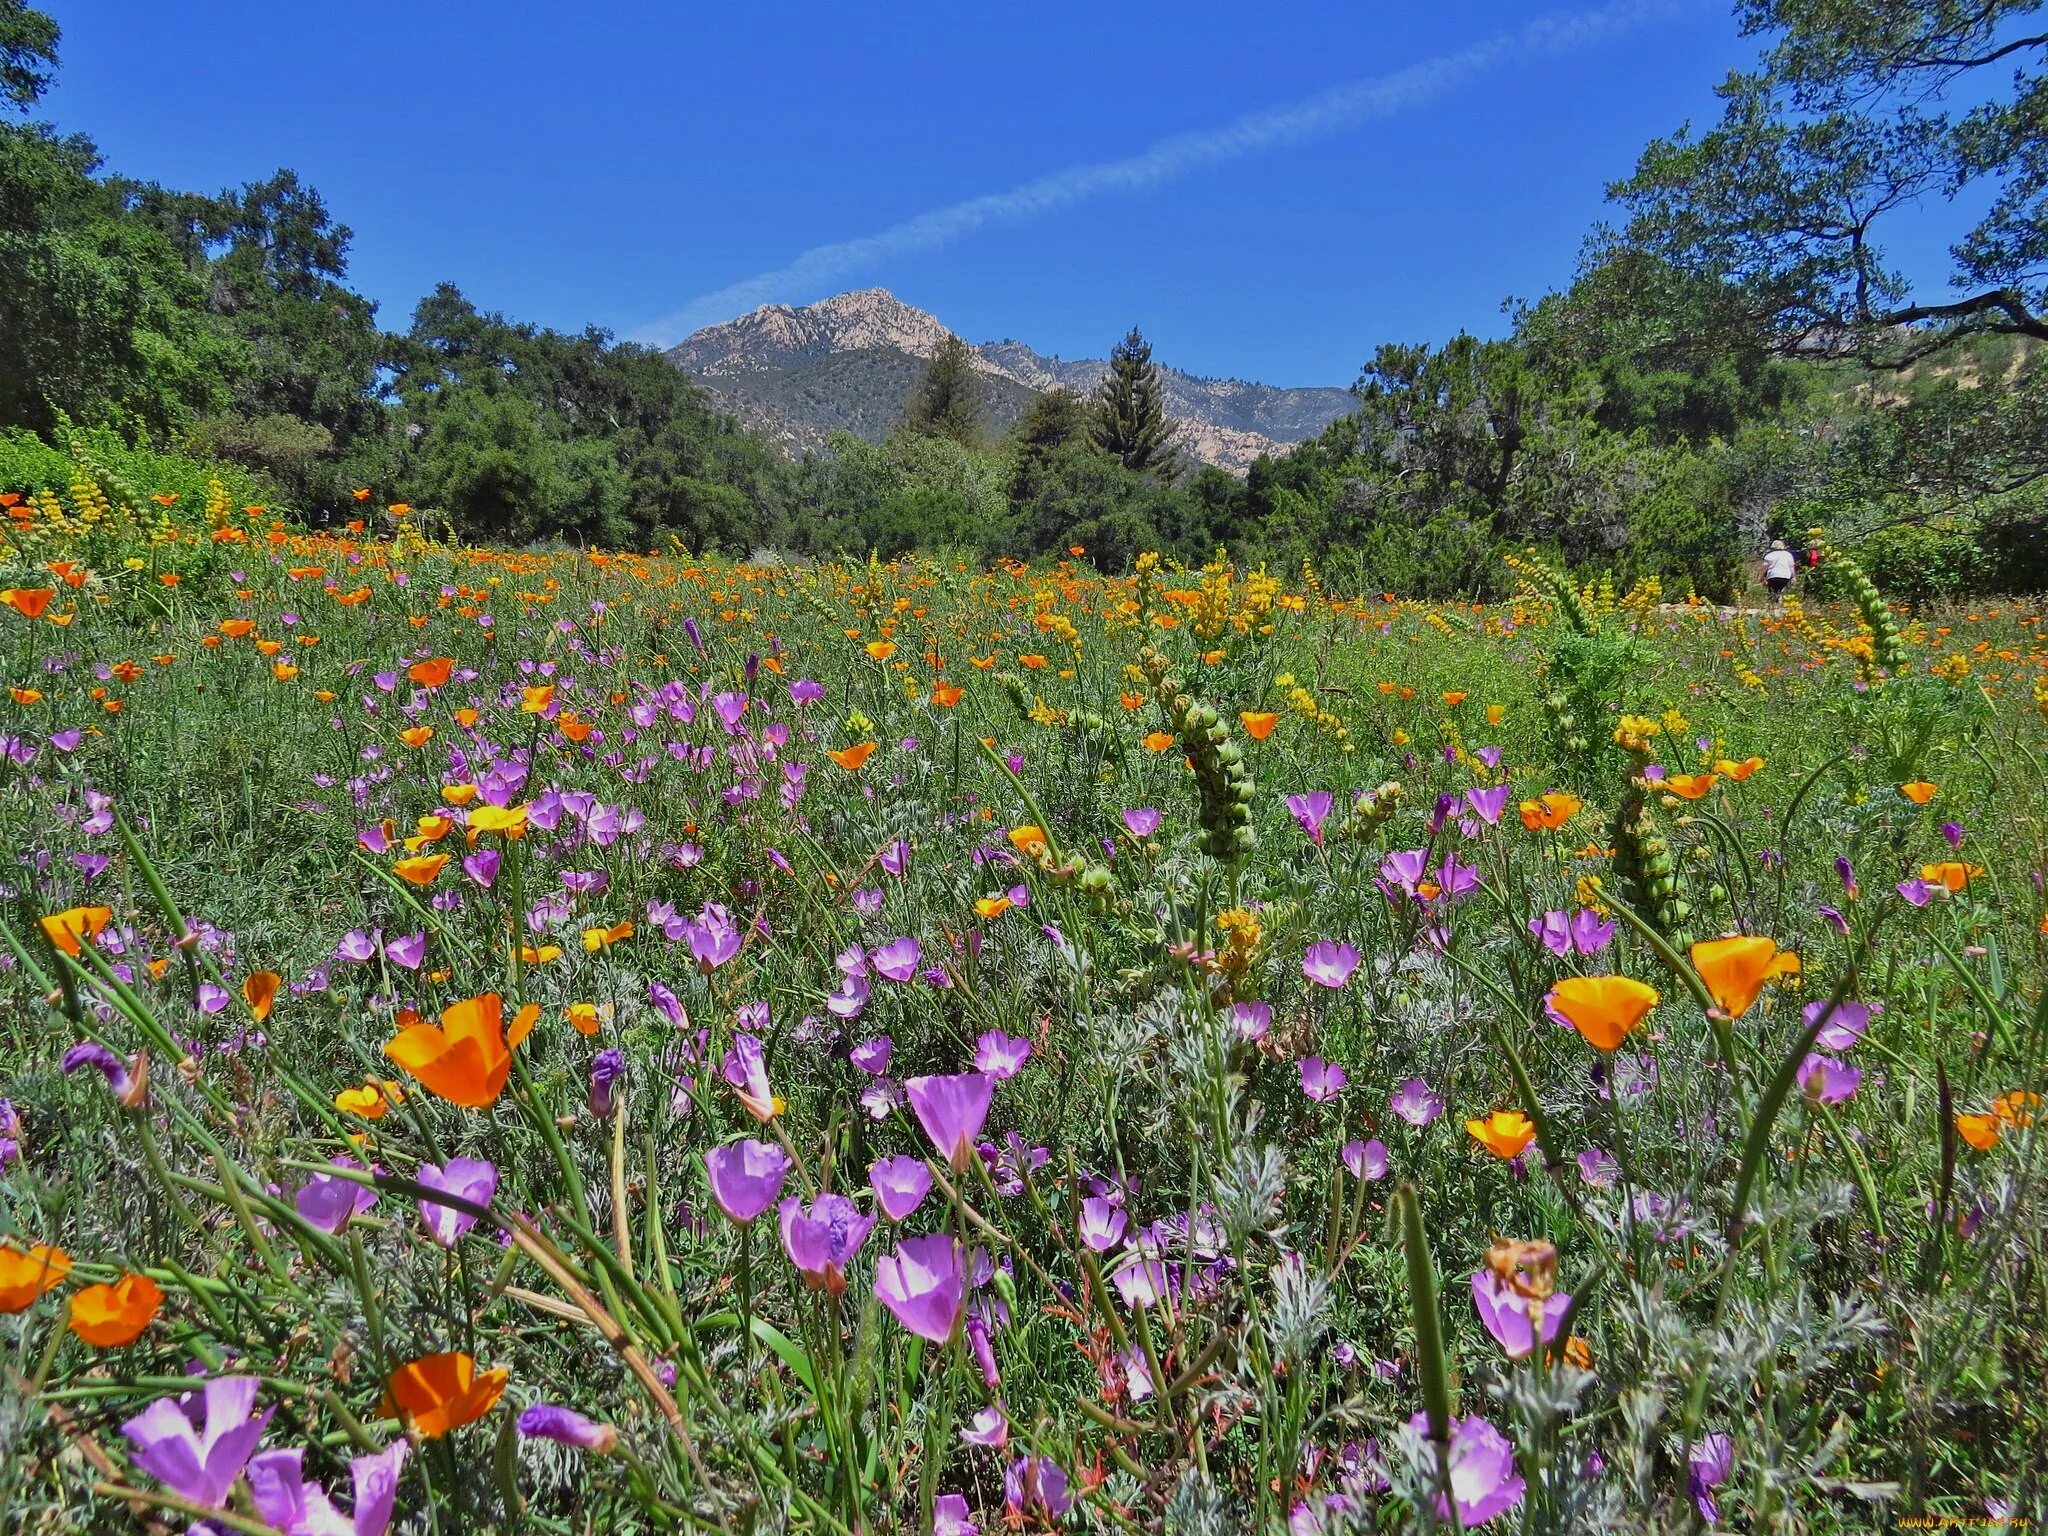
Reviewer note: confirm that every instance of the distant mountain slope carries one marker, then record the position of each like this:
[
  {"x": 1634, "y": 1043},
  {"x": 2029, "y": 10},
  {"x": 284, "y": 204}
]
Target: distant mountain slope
[{"x": 847, "y": 364}]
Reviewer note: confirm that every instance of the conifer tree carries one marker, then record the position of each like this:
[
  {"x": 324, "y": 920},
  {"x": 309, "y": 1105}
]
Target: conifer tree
[
  {"x": 948, "y": 400},
  {"x": 1130, "y": 410}
]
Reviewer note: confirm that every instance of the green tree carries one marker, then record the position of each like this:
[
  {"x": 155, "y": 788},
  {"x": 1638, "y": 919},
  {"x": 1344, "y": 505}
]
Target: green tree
[
  {"x": 1846, "y": 123},
  {"x": 1130, "y": 410},
  {"x": 949, "y": 401},
  {"x": 28, "y": 54}
]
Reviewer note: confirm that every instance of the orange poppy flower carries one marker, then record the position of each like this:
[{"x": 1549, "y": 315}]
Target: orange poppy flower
[
  {"x": 26, "y": 695},
  {"x": 26, "y": 1273},
  {"x": 852, "y": 758},
  {"x": 584, "y": 1018},
  {"x": 1453, "y": 700},
  {"x": 1028, "y": 840},
  {"x": 946, "y": 695},
  {"x": 1258, "y": 723},
  {"x": 1739, "y": 772},
  {"x": 1504, "y": 1133},
  {"x": 29, "y": 602},
  {"x": 458, "y": 794},
  {"x": 259, "y": 991},
  {"x": 467, "y": 718},
  {"x": 422, "y": 869},
  {"x": 372, "y": 1101},
  {"x": 992, "y": 907},
  {"x": 1689, "y": 786},
  {"x": 1495, "y": 713},
  {"x": 431, "y": 830},
  {"x": 1549, "y": 812},
  {"x": 1950, "y": 875},
  {"x": 595, "y": 939},
  {"x": 283, "y": 671},
  {"x": 1980, "y": 1131},
  {"x": 508, "y": 819},
  {"x": 236, "y": 629},
  {"x": 467, "y": 1058},
  {"x": 353, "y": 599},
  {"x": 1131, "y": 700},
  {"x": 361, "y": 493},
  {"x": 1604, "y": 1009},
  {"x": 881, "y": 650},
  {"x": 2017, "y": 1107},
  {"x": 1158, "y": 741},
  {"x": 65, "y": 929},
  {"x": 443, "y": 1392},
  {"x": 534, "y": 701},
  {"x": 1032, "y": 662},
  {"x": 539, "y": 954},
  {"x": 1919, "y": 791},
  {"x": 572, "y": 728},
  {"x": 109, "y": 1316},
  {"x": 1736, "y": 969}
]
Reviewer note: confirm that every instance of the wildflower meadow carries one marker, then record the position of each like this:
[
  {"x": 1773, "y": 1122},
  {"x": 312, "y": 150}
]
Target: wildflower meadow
[{"x": 559, "y": 1041}]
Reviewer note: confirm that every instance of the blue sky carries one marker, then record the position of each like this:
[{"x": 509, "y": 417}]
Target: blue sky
[{"x": 623, "y": 164}]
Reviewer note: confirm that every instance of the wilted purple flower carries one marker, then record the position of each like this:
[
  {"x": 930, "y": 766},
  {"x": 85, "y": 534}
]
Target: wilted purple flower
[
  {"x": 1506, "y": 1314},
  {"x": 1249, "y": 1021},
  {"x": 900, "y": 1185},
  {"x": 1000, "y": 1055},
  {"x": 923, "y": 1284},
  {"x": 821, "y": 1241},
  {"x": 1953, "y": 832},
  {"x": 952, "y": 1109},
  {"x": 1415, "y": 1102},
  {"x": 1322, "y": 1080},
  {"x": 606, "y": 1068},
  {"x": 1824, "y": 1080},
  {"x": 1036, "y": 1485},
  {"x": 1367, "y": 1160},
  {"x": 895, "y": 858},
  {"x": 1483, "y": 1479},
  {"x": 128, "y": 1085},
  {"x": 285, "y": 1500},
  {"x": 467, "y": 1178},
  {"x": 197, "y": 1445},
  {"x": 1311, "y": 811},
  {"x": 746, "y": 1068},
  {"x": 1329, "y": 965},
  {"x": 1707, "y": 1468},
  {"x": 746, "y": 1177},
  {"x": 329, "y": 1202},
  {"x": 565, "y": 1426}
]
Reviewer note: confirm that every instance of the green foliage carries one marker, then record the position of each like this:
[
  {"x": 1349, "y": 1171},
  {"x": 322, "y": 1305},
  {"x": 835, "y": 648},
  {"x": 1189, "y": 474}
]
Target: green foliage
[
  {"x": 1130, "y": 410},
  {"x": 28, "y": 54},
  {"x": 948, "y": 400}
]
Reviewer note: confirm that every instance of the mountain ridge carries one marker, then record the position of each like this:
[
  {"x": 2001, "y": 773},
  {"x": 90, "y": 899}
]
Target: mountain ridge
[{"x": 848, "y": 362}]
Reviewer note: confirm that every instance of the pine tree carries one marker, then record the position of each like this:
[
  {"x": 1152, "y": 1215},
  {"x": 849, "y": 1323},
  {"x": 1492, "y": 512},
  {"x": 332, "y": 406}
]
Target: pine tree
[
  {"x": 948, "y": 399},
  {"x": 1130, "y": 410}
]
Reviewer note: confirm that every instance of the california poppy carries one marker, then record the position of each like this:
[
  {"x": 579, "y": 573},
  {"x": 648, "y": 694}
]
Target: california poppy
[
  {"x": 1258, "y": 724},
  {"x": 259, "y": 991},
  {"x": 584, "y": 1018},
  {"x": 881, "y": 650},
  {"x": 535, "y": 701},
  {"x": 1158, "y": 741},
  {"x": 416, "y": 735},
  {"x": 1689, "y": 786},
  {"x": 1919, "y": 791},
  {"x": 109, "y": 1316},
  {"x": 468, "y": 1057},
  {"x": 1028, "y": 840},
  {"x": 1549, "y": 812},
  {"x": 26, "y": 1273},
  {"x": 443, "y": 1392},
  {"x": 29, "y": 602},
  {"x": 1980, "y": 1131},
  {"x": 852, "y": 758},
  {"x": 510, "y": 820},
  {"x": 433, "y": 672},
  {"x": 1736, "y": 969},
  {"x": 595, "y": 939},
  {"x": 1504, "y": 1133},
  {"x": 946, "y": 695},
  {"x": 1604, "y": 1009},
  {"x": 236, "y": 629},
  {"x": 372, "y": 1101},
  {"x": 992, "y": 906},
  {"x": 422, "y": 870},
  {"x": 65, "y": 929},
  {"x": 1739, "y": 772},
  {"x": 1950, "y": 875}
]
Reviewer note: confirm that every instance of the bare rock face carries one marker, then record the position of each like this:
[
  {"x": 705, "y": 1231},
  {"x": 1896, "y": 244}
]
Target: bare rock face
[{"x": 847, "y": 364}]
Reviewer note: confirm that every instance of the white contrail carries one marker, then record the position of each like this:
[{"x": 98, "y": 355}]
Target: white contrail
[{"x": 1330, "y": 111}]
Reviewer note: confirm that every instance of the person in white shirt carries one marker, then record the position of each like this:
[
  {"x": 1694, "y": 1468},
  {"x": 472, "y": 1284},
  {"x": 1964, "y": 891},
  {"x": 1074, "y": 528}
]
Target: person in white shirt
[{"x": 1779, "y": 566}]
